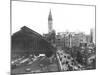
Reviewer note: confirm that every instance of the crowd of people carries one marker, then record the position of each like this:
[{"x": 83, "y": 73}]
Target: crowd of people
[
  {"x": 78, "y": 58},
  {"x": 67, "y": 62}
]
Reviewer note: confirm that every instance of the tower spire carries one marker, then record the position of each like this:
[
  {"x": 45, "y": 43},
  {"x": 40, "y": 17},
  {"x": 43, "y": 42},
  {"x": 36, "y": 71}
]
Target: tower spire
[
  {"x": 50, "y": 21},
  {"x": 50, "y": 15}
]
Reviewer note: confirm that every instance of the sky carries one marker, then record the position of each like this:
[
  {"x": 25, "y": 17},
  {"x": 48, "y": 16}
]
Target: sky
[{"x": 72, "y": 18}]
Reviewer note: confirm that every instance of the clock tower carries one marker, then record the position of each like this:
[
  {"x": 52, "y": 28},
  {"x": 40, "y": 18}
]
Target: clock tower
[{"x": 50, "y": 22}]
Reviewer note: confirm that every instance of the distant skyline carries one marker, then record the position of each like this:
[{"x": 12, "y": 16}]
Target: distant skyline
[{"x": 72, "y": 18}]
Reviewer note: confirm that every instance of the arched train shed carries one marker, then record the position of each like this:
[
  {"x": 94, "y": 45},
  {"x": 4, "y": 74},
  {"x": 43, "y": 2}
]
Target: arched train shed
[{"x": 27, "y": 41}]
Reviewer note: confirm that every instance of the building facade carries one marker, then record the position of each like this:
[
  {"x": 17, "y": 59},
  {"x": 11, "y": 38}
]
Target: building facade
[{"x": 70, "y": 39}]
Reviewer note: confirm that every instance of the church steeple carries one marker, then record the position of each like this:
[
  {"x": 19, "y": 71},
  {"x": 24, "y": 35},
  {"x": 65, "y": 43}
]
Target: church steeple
[{"x": 50, "y": 22}]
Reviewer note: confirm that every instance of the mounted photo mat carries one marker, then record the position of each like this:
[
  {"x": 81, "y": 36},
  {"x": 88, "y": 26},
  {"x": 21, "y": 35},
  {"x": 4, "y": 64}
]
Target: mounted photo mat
[{"x": 52, "y": 37}]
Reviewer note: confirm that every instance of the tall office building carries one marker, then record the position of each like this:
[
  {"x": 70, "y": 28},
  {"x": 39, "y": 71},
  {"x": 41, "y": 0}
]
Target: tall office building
[{"x": 92, "y": 36}]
